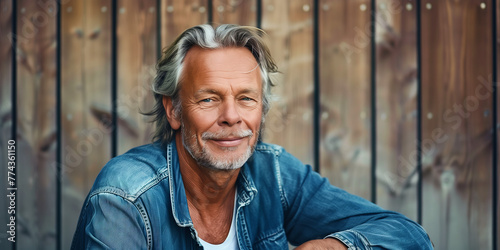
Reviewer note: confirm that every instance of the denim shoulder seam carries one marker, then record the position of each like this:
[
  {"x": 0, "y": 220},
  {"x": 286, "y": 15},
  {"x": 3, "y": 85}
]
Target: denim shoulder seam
[
  {"x": 274, "y": 149},
  {"x": 132, "y": 197}
]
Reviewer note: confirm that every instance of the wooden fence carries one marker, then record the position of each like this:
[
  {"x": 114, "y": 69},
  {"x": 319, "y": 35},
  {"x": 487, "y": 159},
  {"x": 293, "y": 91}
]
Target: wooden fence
[{"x": 406, "y": 118}]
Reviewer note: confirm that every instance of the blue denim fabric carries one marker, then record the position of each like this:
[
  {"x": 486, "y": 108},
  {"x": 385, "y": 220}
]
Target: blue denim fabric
[{"x": 138, "y": 202}]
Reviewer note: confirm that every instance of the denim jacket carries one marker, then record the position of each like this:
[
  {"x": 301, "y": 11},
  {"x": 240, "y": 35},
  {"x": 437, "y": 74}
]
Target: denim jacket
[{"x": 138, "y": 202}]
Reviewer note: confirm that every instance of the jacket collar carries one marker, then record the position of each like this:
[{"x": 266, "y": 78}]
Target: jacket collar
[
  {"x": 178, "y": 197},
  {"x": 245, "y": 184}
]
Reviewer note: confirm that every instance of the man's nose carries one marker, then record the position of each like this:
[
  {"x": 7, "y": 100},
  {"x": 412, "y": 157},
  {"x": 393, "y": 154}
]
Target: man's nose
[{"x": 229, "y": 114}]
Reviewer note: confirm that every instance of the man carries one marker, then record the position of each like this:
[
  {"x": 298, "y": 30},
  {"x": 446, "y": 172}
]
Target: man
[{"x": 209, "y": 182}]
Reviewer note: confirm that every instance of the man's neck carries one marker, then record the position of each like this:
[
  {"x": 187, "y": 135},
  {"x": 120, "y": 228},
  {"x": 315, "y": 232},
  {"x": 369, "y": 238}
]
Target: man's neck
[
  {"x": 210, "y": 196},
  {"x": 206, "y": 189}
]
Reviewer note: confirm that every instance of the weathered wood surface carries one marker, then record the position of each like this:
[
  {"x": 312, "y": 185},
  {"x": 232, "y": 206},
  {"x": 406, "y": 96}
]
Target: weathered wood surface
[
  {"x": 456, "y": 42},
  {"x": 396, "y": 94},
  {"x": 289, "y": 122},
  {"x": 86, "y": 103},
  {"x": 242, "y": 12},
  {"x": 36, "y": 130},
  {"x": 345, "y": 94},
  {"x": 178, "y": 16},
  {"x": 137, "y": 58},
  {"x": 456, "y": 109},
  {"x": 5, "y": 108}
]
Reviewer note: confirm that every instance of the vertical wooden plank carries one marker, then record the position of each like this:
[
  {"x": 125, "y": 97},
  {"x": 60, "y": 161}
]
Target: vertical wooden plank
[
  {"x": 289, "y": 122},
  {"x": 136, "y": 69},
  {"x": 178, "y": 16},
  {"x": 36, "y": 209},
  {"x": 86, "y": 98},
  {"x": 72, "y": 35},
  {"x": 396, "y": 105},
  {"x": 5, "y": 107},
  {"x": 345, "y": 94},
  {"x": 242, "y": 12},
  {"x": 456, "y": 129}
]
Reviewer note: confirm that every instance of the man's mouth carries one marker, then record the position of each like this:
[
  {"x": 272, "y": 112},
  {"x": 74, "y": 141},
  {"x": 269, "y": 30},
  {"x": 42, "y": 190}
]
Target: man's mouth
[
  {"x": 228, "y": 142},
  {"x": 227, "y": 139}
]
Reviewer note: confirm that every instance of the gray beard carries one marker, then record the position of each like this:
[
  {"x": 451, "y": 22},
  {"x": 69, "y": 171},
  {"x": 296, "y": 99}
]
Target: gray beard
[{"x": 204, "y": 158}]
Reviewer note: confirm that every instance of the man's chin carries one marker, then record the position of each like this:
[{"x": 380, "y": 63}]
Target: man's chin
[
  {"x": 224, "y": 168},
  {"x": 226, "y": 159}
]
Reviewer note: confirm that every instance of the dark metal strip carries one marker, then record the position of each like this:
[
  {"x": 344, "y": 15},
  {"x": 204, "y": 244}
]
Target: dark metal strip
[
  {"x": 419, "y": 112},
  {"x": 259, "y": 14},
  {"x": 316, "y": 104},
  {"x": 373, "y": 80},
  {"x": 210, "y": 7},
  {"x": 158, "y": 29},
  {"x": 114, "y": 70},
  {"x": 58, "y": 130},
  {"x": 494, "y": 123}
]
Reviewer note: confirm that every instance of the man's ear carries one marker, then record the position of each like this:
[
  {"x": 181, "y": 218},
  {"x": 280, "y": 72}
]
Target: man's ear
[{"x": 174, "y": 121}]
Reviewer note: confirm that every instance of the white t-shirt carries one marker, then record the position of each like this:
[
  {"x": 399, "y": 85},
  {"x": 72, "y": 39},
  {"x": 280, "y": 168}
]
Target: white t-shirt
[{"x": 231, "y": 242}]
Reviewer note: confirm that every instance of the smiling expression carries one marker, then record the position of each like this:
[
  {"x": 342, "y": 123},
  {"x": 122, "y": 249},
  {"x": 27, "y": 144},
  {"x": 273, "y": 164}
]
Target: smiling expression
[{"x": 221, "y": 106}]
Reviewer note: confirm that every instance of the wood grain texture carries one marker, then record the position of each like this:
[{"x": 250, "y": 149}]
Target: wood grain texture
[
  {"x": 289, "y": 122},
  {"x": 5, "y": 108},
  {"x": 396, "y": 93},
  {"x": 136, "y": 70},
  {"x": 456, "y": 106},
  {"x": 86, "y": 103},
  {"x": 178, "y": 16},
  {"x": 457, "y": 148},
  {"x": 242, "y": 12},
  {"x": 36, "y": 72},
  {"x": 345, "y": 94}
]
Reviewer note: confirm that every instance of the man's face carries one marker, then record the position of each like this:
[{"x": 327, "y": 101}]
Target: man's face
[{"x": 221, "y": 98}]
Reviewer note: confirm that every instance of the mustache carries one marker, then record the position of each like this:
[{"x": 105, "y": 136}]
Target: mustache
[{"x": 225, "y": 134}]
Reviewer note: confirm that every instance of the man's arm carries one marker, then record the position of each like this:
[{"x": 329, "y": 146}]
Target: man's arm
[
  {"x": 314, "y": 209},
  {"x": 108, "y": 221}
]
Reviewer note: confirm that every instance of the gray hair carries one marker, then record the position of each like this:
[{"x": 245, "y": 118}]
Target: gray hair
[{"x": 169, "y": 67}]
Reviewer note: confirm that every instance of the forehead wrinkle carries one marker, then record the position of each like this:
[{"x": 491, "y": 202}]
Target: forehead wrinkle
[{"x": 202, "y": 69}]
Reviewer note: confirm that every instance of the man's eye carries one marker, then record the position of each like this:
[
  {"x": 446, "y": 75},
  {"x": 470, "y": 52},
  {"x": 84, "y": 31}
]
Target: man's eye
[
  {"x": 247, "y": 99},
  {"x": 207, "y": 100}
]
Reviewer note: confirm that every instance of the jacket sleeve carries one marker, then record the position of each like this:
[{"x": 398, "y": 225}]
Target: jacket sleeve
[
  {"x": 108, "y": 221},
  {"x": 314, "y": 209}
]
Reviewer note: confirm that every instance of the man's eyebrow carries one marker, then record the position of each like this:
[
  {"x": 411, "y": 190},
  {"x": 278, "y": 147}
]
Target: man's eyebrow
[
  {"x": 205, "y": 91},
  {"x": 249, "y": 91}
]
